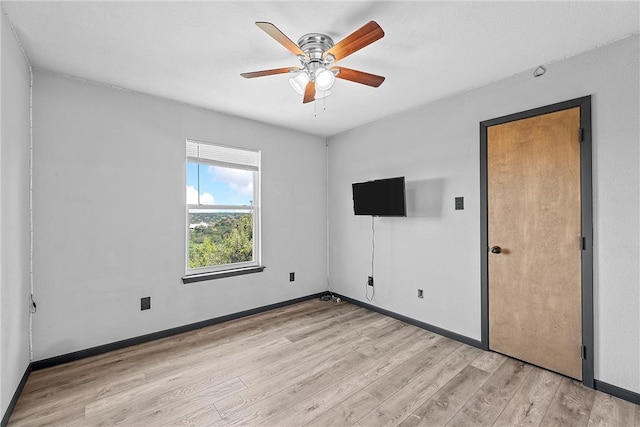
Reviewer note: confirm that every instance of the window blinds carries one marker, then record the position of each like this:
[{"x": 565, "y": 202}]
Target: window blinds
[{"x": 222, "y": 155}]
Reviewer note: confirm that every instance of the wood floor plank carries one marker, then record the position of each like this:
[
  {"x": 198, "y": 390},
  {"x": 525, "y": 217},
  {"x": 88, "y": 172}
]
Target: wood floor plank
[
  {"x": 398, "y": 378},
  {"x": 305, "y": 350},
  {"x": 261, "y": 326},
  {"x": 55, "y": 398},
  {"x": 403, "y": 354},
  {"x": 181, "y": 406},
  {"x": 571, "y": 405},
  {"x": 385, "y": 343},
  {"x": 390, "y": 327},
  {"x": 204, "y": 416},
  {"x": 128, "y": 408},
  {"x": 317, "y": 327},
  {"x": 262, "y": 410},
  {"x": 354, "y": 407},
  {"x": 312, "y": 407},
  {"x": 313, "y": 363},
  {"x": 486, "y": 405},
  {"x": 383, "y": 321},
  {"x": 609, "y": 411},
  {"x": 288, "y": 377},
  {"x": 72, "y": 386},
  {"x": 179, "y": 409},
  {"x": 244, "y": 360},
  {"x": 156, "y": 353},
  {"x": 209, "y": 353},
  {"x": 529, "y": 405},
  {"x": 489, "y": 361},
  {"x": 379, "y": 342},
  {"x": 348, "y": 412},
  {"x": 199, "y": 376},
  {"x": 405, "y": 401},
  {"x": 447, "y": 401},
  {"x": 70, "y": 415},
  {"x": 220, "y": 333}
]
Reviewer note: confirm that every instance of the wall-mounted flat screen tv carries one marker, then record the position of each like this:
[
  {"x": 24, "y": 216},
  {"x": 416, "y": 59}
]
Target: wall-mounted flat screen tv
[{"x": 382, "y": 197}]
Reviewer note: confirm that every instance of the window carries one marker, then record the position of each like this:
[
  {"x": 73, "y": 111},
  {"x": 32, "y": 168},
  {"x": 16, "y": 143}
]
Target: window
[{"x": 223, "y": 209}]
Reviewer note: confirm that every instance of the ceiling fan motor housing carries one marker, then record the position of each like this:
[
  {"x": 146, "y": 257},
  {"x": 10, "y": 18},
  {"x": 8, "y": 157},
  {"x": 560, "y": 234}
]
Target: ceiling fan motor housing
[{"x": 315, "y": 45}]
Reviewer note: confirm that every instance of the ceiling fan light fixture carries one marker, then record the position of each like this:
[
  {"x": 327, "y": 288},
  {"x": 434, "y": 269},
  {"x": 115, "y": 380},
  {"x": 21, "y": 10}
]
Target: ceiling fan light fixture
[
  {"x": 324, "y": 79},
  {"x": 299, "y": 82}
]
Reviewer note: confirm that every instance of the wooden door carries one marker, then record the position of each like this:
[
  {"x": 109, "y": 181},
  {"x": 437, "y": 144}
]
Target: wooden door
[{"x": 534, "y": 230}]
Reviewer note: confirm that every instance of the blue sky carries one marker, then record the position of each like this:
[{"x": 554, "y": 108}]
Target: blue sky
[{"x": 224, "y": 186}]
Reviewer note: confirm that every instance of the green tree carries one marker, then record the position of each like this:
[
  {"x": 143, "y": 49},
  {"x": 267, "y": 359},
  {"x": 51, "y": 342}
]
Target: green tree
[
  {"x": 228, "y": 239},
  {"x": 238, "y": 244}
]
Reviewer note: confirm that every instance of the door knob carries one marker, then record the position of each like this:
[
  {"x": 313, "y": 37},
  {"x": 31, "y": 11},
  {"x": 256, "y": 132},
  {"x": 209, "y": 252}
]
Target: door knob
[{"x": 496, "y": 249}]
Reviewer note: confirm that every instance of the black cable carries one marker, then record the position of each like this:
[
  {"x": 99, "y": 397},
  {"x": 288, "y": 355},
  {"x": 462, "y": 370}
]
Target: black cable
[
  {"x": 373, "y": 254},
  {"x": 34, "y": 307},
  {"x": 330, "y": 296},
  {"x": 373, "y": 241}
]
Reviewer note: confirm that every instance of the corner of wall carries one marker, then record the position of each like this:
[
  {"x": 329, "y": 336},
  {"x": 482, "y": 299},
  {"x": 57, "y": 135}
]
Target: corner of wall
[{"x": 15, "y": 224}]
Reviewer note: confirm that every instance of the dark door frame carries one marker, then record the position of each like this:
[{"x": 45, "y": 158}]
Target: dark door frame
[{"x": 586, "y": 196}]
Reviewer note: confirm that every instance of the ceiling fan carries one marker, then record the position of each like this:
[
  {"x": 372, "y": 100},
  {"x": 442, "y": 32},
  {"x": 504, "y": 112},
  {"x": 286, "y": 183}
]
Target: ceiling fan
[{"x": 317, "y": 54}]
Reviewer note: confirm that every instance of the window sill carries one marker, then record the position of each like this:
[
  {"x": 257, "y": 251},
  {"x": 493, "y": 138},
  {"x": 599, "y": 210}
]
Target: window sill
[{"x": 221, "y": 274}]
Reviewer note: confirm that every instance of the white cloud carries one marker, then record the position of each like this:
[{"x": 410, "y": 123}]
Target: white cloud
[
  {"x": 207, "y": 199},
  {"x": 239, "y": 180},
  {"x": 192, "y": 197}
]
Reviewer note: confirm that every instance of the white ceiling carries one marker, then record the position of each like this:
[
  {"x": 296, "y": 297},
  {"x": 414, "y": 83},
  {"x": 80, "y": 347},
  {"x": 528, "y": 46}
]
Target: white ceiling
[{"x": 194, "y": 52}]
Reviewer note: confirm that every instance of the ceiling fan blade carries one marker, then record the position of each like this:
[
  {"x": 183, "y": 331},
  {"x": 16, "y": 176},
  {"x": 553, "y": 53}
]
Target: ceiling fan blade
[
  {"x": 360, "y": 38},
  {"x": 358, "y": 76},
  {"x": 268, "y": 72},
  {"x": 280, "y": 37},
  {"x": 309, "y": 92}
]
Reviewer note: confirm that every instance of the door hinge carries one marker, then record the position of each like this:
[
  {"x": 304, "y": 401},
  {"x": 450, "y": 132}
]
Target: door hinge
[
  {"x": 581, "y": 134},
  {"x": 583, "y": 352},
  {"x": 583, "y": 243}
]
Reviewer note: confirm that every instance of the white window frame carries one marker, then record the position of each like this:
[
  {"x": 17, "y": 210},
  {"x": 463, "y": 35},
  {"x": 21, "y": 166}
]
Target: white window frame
[{"x": 254, "y": 208}]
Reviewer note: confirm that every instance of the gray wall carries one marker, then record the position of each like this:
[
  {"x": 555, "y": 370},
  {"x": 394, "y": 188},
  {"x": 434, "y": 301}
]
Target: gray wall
[
  {"x": 14, "y": 217},
  {"x": 436, "y": 248},
  {"x": 109, "y": 214}
]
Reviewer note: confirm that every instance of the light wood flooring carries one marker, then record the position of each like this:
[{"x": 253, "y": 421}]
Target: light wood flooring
[{"x": 313, "y": 363}]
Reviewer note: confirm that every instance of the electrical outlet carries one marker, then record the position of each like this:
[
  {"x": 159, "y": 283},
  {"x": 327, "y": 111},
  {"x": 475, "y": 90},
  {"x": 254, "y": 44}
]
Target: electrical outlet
[
  {"x": 370, "y": 281},
  {"x": 420, "y": 294},
  {"x": 459, "y": 203},
  {"x": 145, "y": 303},
  {"x": 292, "y": 277}
]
